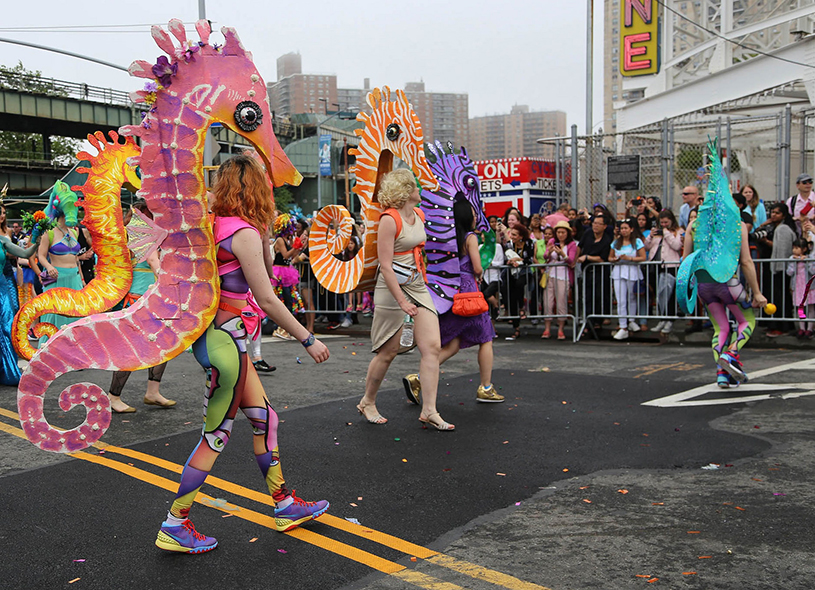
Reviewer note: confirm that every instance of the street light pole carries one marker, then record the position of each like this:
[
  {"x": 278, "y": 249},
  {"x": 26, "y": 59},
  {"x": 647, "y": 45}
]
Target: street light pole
[
  {"x": 202, "y": 9},
  {"x": 319, "y": 176},
  {"x": 589, "y": 64}
]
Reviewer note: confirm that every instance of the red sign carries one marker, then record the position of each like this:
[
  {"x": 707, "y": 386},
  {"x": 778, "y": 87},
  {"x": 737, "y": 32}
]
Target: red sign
[{"x": 509, "y": 173}]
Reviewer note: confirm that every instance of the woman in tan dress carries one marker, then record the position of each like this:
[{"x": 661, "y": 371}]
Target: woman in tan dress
[{"x": 392, "y": 300}]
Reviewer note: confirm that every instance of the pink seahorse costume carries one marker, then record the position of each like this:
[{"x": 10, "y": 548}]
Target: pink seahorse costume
[{"x": 198, "y": 85}]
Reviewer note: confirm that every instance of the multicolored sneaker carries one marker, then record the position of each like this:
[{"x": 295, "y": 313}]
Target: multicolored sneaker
[
  {"x": 184, "y": 539},
  {"x": 488, "y": 395},
  {"x": 730, "y": 362},
  {"x": 298, "y": 512},
  {"x": 723, "y": 379},
  {"x": 413, "y": 388}
]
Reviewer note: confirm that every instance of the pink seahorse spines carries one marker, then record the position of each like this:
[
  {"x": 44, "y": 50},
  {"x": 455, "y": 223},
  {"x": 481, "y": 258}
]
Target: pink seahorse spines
[{"x": 204, "y": 30}]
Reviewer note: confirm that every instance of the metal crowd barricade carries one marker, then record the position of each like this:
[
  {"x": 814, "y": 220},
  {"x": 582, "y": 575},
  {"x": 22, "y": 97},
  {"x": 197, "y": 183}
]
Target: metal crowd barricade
[
  {"x": 324, "y": 302},
  {"x": 656, "y": 294},
  {"x": 593, "y": 299},
  {"x": 518, "y": 294}
]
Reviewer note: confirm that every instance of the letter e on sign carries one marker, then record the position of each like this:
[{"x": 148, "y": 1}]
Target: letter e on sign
[{"x": 640, "y": 38}]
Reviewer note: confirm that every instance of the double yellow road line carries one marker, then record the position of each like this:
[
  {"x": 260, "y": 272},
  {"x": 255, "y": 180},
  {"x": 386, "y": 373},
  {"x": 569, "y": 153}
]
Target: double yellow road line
[{"x": 375, "y": 562}]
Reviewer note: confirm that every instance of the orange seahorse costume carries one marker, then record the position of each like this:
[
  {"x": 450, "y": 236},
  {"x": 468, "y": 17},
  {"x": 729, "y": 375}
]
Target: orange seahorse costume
[
  {"x": 108, "y": 172},
  {"x": 392, "y": 129}
]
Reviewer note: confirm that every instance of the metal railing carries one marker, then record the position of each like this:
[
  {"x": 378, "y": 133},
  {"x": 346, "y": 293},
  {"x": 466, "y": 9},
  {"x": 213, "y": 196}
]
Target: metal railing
[
  {"x": 61, "y": 88},
  {"x": 591, "y": 298}
]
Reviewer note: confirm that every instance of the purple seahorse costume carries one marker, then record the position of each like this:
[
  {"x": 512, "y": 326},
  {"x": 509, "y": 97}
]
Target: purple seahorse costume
[{"x": 449, "y": 271}]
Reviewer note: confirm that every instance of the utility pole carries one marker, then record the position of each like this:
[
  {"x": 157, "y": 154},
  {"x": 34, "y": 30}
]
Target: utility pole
[
  {"x": 202, "y": 9},
  {"x": 589, "y": 65}
]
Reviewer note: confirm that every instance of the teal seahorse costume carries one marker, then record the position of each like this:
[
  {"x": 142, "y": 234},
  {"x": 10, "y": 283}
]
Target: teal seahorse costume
[{"x": 711, "y": 271}]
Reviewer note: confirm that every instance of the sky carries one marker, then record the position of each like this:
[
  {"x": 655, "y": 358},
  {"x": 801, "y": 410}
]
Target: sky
[{"x": 500, "y": 53}]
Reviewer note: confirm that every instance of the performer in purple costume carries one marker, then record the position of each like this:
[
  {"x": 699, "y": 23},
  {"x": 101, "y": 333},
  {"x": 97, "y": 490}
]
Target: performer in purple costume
[{"x": 456, "y": 271}]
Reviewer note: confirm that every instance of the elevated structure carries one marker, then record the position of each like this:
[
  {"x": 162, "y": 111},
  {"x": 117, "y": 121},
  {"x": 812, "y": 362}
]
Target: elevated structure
[{"x": 730, "y": 57}]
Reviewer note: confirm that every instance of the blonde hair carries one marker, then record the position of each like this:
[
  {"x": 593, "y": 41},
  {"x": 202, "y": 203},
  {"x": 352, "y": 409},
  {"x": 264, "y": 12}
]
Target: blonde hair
[{"x": 395, "y": 188}]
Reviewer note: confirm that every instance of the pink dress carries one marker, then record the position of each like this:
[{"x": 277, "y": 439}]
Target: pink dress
[{"x": 801, "y": 271}]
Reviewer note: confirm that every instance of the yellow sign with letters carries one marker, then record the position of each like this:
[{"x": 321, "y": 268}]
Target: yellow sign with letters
[{"x": 639, "y": 38}]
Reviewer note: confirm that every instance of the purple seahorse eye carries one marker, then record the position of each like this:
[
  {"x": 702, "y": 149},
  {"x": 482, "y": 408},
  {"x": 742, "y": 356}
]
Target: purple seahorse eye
[
  {"x": 248, "y": 115},
  {"x": 470, "y": 183}
]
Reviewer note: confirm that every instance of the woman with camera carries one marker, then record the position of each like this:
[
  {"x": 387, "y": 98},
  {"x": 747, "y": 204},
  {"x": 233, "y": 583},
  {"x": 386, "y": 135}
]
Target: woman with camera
[
  {"x": 664, "y": 244},
  {"x": 779, "y": 234}
]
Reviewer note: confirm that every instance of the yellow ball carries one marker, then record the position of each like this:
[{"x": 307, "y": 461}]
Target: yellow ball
[{"x": 770, "y": 308}]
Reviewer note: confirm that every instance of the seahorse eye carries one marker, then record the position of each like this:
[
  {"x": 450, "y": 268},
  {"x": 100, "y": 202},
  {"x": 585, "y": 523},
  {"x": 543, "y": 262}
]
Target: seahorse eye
[
  {"x": 248, "y": 115},
  {"x": 470, "y": 183},
  {"x": 393, "y": 131}
]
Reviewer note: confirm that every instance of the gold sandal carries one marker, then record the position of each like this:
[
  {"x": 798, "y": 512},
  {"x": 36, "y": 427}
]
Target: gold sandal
[
  {"x": 379, "y": 419},
  {"x": 440, "y": 425}
]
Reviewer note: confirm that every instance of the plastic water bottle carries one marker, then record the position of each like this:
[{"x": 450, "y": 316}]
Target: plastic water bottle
[{"x": 406, "y": 340}]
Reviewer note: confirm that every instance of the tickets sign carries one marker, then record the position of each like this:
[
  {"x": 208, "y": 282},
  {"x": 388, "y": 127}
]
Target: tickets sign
[
  {"x": 509, "y": 173},
  {"x": 639, "y": 38}
]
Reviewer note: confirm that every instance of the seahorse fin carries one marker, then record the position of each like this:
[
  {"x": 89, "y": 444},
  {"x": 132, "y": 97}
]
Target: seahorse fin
[{"x": 143, "y": 235}]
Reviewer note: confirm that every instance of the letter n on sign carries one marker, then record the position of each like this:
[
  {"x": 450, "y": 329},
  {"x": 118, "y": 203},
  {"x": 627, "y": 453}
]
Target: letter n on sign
[{"x": 640, "y": 38}]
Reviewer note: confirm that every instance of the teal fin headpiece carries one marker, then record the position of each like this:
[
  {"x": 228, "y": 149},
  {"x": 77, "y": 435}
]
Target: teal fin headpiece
[{"x": 716, "y": 237}]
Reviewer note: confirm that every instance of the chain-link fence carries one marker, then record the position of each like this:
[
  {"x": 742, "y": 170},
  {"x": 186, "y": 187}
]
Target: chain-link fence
[{"x": 767, "y": 152}]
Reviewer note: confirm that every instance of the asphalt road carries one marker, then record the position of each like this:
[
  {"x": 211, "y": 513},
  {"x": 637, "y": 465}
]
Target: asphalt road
[{"x": 571, "y": 483}]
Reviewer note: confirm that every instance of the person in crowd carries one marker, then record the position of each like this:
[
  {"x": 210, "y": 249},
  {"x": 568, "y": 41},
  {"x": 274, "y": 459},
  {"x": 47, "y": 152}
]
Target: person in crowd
[
  {"x": 627, "y": 250},
  {"x": 520, "y": 254},
  {"x": 783, "y": 236},
  {"x": 242, "y": 204},
  {"x": 755, "y": 206},
  {"x": 458, "y": 332},
  {"x": 572, "y": 214},
  {"x": 350, "y": 252},
  {"x": 801, "y": 267},
  {"x": 595, "y": 247},
  {"x": 286, "y": 278},
  {"x": 491, "y": 282},
  {"x": 16, "y": 232},
  {"x": 693, "y": 325},
  {"x": 644, "y": 225},
  {"x": 143, "y": 277},
  {"x": 58, "y": 255},
  {"x": 802, "y": 205},
  {"x": 611, "y": 225},
  {"x": 398, "y": 296},
  {"x": 653, "y": 205},
  {"x": 561, "y": 253},
  {"x": 645, "y": 288},
  {"x": 307, "y": 280},
  {"x": 664, "y": 244},
  {"x": 26, "y": 289},
  {"x": 512, "y": 218},
  {"x": 691, "y": 199},
  {"x": 9, "y": 369},
  {"x": 535, "y": 229},
  {"x": 636, "y": 206},
  {"x": 86, "y": 256}
]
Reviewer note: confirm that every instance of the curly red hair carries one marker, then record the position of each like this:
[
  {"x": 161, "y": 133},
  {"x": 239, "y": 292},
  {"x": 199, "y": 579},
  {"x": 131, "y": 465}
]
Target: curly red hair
[{"x": 242, "y": 190}]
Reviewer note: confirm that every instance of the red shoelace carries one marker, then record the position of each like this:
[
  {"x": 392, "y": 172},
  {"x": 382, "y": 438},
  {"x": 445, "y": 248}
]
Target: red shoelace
[
  {"x": 300, "y": 501},
  {"x": 191, "y": 528}
]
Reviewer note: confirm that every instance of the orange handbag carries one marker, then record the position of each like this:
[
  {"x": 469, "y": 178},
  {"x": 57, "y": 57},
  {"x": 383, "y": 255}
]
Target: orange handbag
[{"x": 469, "y": 304}]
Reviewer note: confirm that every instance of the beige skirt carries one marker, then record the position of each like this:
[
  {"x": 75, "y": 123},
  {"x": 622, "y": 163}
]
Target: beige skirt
[{"x": 388, "y": 316}]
